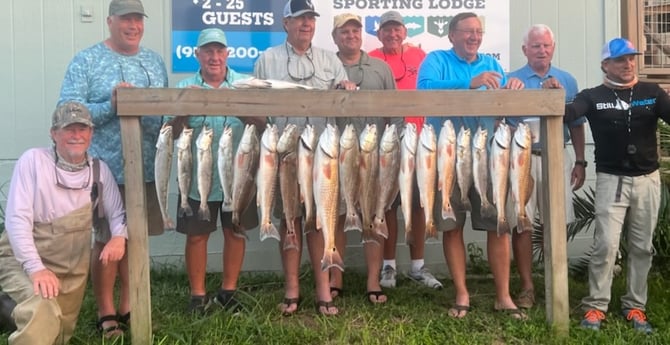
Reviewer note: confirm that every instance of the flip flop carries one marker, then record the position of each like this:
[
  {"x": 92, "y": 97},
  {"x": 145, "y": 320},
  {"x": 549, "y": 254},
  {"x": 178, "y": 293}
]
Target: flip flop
[
  {"x": 377, "y": 295},
  {"x": 513, "y": 313},
  {"x": 458, "y": 311},
  {"x": 112, "y": 331},
  {"x": 327, "y": 306},
  {"x": 288, "y": 302}
]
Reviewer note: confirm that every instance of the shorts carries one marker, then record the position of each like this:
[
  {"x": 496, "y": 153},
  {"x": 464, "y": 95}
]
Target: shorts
[
  {"x": 154, "y": 215},
  {"x": 192, "y": 225},
  {"x": 478, "y": 222}
]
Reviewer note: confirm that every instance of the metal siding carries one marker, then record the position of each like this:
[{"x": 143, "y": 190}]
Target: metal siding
[{"x": 43, "y": 35}]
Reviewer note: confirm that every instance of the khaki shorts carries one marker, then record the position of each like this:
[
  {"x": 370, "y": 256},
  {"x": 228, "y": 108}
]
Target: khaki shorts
[
  {"x": 194, "y": 226},
  {"x": 154, "y": 216}
]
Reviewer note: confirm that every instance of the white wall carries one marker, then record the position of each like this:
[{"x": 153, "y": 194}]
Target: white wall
[{"x": 41, "y": 36}]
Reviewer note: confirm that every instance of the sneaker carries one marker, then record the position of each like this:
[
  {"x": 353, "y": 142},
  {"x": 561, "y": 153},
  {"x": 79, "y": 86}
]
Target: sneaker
[
  {"x": 388, "y": 277},
  {"x": 198, "y": 305},
  {"x": 525, "y": 299},
  {"x": 226, "y": 300},
  {"x": 592, "y": 319},
  {"x": 638, "y": 319},
  {"x": 424, "y": 277}
]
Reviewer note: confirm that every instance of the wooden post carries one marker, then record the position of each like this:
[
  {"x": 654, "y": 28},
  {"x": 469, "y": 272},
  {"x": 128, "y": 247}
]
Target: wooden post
[
  {"x": 548, "y": 104},
  {"x": 555, "y": 238},
  {"x": 138, "y": 245}
]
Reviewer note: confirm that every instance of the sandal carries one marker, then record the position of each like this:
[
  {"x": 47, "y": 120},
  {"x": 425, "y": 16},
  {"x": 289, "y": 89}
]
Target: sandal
[
  {"x": 327, "y": 306},
  {"x": 109, "y": 331},
  {"x": 124, "y": 320},
  {"x": 513, "y": 313},
  {"x": 377, "y": 295},
  {"x": 458, "y": 311},
  {"x": 289, "y": 302}
]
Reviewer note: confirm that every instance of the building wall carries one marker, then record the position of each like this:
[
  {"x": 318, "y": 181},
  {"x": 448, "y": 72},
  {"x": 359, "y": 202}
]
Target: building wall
[{"x": 43, "y": 35}]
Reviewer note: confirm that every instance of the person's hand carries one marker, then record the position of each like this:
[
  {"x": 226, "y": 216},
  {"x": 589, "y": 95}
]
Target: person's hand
[
  {"x": 113, "y": 250},
  {"x": 514, "y": 84},
  {"x": 45, "y": 283},
  {"x": 122, "y": 84},
  {"x": 491, "y": 80},
  {"x": 347, "y": 85},
  {"x": 577, "y": 177},
  {"x": 551, "y": 83}
]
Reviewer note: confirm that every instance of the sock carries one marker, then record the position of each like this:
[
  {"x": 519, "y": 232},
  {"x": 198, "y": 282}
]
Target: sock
[
  {"x": 417, "y": 265},
  {"x": 389, "y": 263}
]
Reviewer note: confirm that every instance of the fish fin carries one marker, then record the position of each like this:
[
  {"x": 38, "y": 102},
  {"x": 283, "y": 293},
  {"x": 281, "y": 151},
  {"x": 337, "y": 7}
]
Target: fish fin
[
  {"x": 380, "y": 228},
  {"x": 269, "y": 230},
  {"x": 331, "y": 258},
  {"x": 168, "y": 223},
  {"x": 203, "y": 212},
  {"x": 502, "y": 227},
  {"x": 352, "y": 222}
]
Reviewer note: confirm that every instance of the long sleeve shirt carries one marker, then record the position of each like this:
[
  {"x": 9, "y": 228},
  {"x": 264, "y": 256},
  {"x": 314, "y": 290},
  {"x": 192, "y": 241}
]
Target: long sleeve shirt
[
  {"x": 90, "y": 78},
  {"x": 35, "y": 197}
]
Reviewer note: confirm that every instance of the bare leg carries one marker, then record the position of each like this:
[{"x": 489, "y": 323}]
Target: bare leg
[
  {"x": 390, "y": 244},
  {"x": 233, "y": 258},
  {"x": 103, "y": 278},
  {"x": 291, "y": 264},
  {"x": 315, "y": 246},
  {"x": 417, "y": 248},
  {"x": 373, "y": 258},
  {"x": 195, "y": 255},
  {"x": 523, "y": 256},
  {"x": 498, "y": 252},
  {"x": 454, "y": 253}
]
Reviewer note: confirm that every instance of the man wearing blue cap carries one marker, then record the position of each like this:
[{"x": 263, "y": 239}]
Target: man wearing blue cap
[
  {"x": 214, "y": 73},
  {"x": 623, "y": 114}
]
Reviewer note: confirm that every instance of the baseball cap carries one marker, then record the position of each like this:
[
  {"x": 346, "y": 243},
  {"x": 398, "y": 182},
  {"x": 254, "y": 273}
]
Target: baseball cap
[
  {"x": 122, "y": 7},
  {"x": 212, "y": 35},
  {"x": 69, "y": 113},
  {"x": 296, "y": 8},
  {"x": 391, "y": 16},
  {"x": 341, "y": 19},
  {"x": 618, "y": 47}
]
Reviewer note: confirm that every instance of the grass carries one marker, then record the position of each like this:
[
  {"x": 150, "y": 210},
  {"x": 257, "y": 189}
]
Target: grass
[{"x": 413, "y": 315}]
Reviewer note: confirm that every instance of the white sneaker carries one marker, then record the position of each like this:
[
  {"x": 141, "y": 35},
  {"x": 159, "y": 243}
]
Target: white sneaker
[
  {"x": 388, "y": 277},
  {"x": 423, "y": 276}
]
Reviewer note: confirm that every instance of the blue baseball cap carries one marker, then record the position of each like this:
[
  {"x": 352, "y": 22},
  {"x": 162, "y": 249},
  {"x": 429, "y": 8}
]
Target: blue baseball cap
[
  {"x": 618, "y": 47},
  {"x": 211, "y": 35}
]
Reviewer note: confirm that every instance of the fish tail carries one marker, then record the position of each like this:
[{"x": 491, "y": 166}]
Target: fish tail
[
  {"x": 503, "y": 226},
  {"x": 227, "y": 206},
  {"x": 268, "y": 230},
  {"x": 290, "y": 241},
  {"x": 430, "y": 229},
  {"x": 185, "y": 211},
  {"x": 168, "y": 223},
  {"x": 524, "y": 224},
  {"x": 466, "y": 203},
  {"x": 487, "y": 211},
  {"x": 380, "y": 228},
  {"x": 203, "y": 212},
  {"x": 310, "y": 224},
  {"x": 331, "y": 258},
  {"x": 448, "y": 212},
  {"x": 409, "y": 235},
  {"x": 368, "y": 236},
  {"x": 352, "y": 222}
]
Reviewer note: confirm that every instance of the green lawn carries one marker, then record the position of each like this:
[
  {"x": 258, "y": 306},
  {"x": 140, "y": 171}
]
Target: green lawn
[{"x": 413, "y": 315}]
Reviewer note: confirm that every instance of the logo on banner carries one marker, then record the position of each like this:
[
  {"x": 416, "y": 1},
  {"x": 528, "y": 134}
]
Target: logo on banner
[
  {"x": 414, "y": 25},
  {"x": 372, "y": 25},
  {"x": 438, "y": 25}
]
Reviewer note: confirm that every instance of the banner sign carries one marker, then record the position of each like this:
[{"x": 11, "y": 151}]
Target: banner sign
[{"x": 251, "y": 26}]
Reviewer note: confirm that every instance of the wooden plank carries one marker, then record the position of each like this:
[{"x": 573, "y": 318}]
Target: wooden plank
[
  {"x": 339, "y": 103},
  {"x": 138, "y": 244},
  {"x": 555, "y": 247}
]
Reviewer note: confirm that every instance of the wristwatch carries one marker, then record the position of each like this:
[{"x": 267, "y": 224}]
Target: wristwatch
[{"x": 582, "y": 163}]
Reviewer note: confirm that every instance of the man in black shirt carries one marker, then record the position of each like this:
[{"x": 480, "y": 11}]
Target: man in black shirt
[{"x": 623, "y": 114}]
